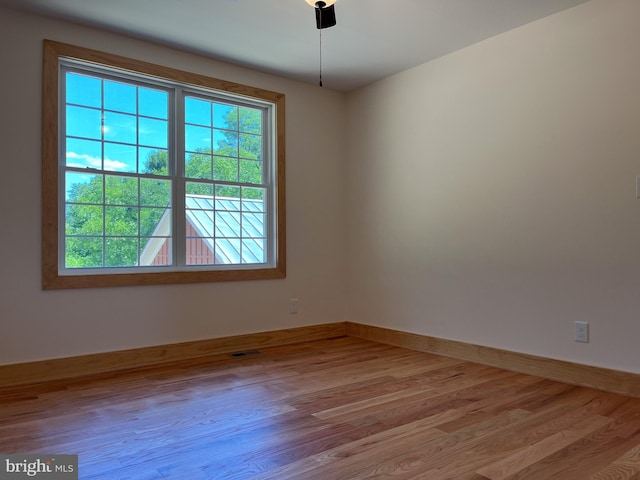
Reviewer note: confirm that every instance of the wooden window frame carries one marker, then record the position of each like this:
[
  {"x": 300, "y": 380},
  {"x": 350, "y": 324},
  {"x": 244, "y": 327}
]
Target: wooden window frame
[{"x": 51, "y": 236}]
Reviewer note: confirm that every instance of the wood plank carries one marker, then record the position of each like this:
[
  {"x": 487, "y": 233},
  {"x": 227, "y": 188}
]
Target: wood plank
[
  {"x": 615, "y": 381},
  {"x": 60, "y": 368},
  {"x": 334, "y": 408},
  {"x": 623, "y": 468},
  {"x": 507, "y": 467}
]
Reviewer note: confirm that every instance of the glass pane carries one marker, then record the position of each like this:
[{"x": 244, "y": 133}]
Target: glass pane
[
  {"x": 225, "y": 116},
  {"x": 153, "y": 133},
  {"x": 119, "y": 127},
  {"x": 229, "y": 192},
  {"x": 197, "y": 111},
  {"x": 197, "y": 139},
  {"x": 199, "y": 228},
  {"x": 119, "y": 96},
  {"x": 257, "y": 194},
  {"x": 84, "y": 153},
  {"x": 84, "y": 219},
  {"x": 227, "y": 224},
  {"x": 253, "y": 251},
  {"x": 199, "y": 222},
  {"x": 121, "y": 252},
  {"x": 253, "y": 225},
  {"x": 225, "y": 169},
  {"x": 84, "y": 122},
  {"x": 83, "y": 187},
  {"x": 250, "y": 120},
  {"x": 121, "y": 190},
  {"x": 251, "y": 171},
  {"x": 121, "y": 221},
  {"x": 153, "y": 103},
  {"x": 198, "y": 165},
  {"x": 84, "y": 90},
  {"x": 250, "y": 146},
  {"x": 119, "y": 157},
  {"x": 83, "y": 252},
  {"x": 193, "y": 188},
  {"x": 225, "y": 142},
  {"x": 227, "y": 251},
  {"x": 199, "y": 251},
  {"x": 155, "y": 193},
  {"x": 155, "y": 251},
  {"x": 153, "y": 160},
  {"x": 153, "y": 221}
]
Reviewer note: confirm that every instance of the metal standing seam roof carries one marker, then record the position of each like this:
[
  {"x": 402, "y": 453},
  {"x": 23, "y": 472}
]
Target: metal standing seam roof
[{"x": 232, "y": 229}]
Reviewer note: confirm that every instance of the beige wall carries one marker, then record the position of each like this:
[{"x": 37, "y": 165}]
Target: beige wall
[
  {"x": 492, "y": 191},
  {"x": 36, "y": 324}
]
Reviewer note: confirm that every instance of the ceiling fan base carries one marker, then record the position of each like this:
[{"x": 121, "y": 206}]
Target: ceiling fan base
[{"x": 325, "y": 17}]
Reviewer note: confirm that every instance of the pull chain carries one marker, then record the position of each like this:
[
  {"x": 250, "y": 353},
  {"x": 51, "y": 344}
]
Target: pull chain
[{"x": 320, "y": 16}]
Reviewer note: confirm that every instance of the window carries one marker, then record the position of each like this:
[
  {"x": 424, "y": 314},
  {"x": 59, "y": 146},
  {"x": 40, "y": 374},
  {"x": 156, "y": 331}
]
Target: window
[{"x": 153, "y": 175}]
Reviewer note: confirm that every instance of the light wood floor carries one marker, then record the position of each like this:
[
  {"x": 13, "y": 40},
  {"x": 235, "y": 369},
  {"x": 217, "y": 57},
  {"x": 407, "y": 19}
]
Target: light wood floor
[{"x": 336, "y": 409}]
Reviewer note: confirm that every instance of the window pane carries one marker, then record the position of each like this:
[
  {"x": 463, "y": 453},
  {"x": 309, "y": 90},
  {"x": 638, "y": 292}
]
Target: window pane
[
  {"x": 199, "y": 229},
  {"x": 250, "y": 120},
  {"x": 225, "y": 169},
  {"x": 84, "y": 90},
  {"x": 83, "y": 187},
  {"x": 197, "y": 111},
  {"x": 121, "y": 221},
  {"x": 227, "y": 251},
  {"x": 198, "y": 165},
  {"x": 119, "y": 127},
  {"x": 197, "y": 139},
  {"x": 153, "y": 160},
  {"x": 227, "y": 224},
  {"x": 121, "y": 252},
  {"x": 154, "y": 222},
  {"x": 119, "y": 97},
  {"x": 250, "y": 146},
  {"x": 199, "y": 217},
  {"x": 253, "y": 199},
  {"x": 251, "y": 171},
  {"x": 226, "y": 142},
  {"x": 155, "y": 193},
  {"x": 153, "y": 103},
  {"x": 84, "y": 153},
  {"x": 199, "y": 189},
  {"x": 253, "y": 225},
  {"x": 229, "y": 192},
  {"x": 153, "y": 133},
  {"x": 119, "y": 157},
  {"x": 253, "y": 251},
  {"x": 83, "y": 252},
  {"x": 84, "y": 122},
  {"x": 84, "y": 219},
  {"x": 121, "y": 190},
  {"x": 155, "y": 251},
  {"x": 225, "y": 116}
]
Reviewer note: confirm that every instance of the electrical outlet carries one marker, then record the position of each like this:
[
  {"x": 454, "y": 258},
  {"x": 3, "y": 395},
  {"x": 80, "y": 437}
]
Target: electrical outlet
[
  {"x": 293, "y": 306},
  {"x": 581, "y": 332}
]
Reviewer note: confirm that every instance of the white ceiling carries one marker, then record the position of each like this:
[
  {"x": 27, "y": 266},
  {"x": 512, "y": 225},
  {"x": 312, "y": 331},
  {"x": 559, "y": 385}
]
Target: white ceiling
[{"x": 372, "y": 38}]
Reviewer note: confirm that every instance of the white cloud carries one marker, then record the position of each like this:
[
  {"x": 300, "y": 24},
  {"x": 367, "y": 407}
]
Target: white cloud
[{"x": 93, "y": 162}]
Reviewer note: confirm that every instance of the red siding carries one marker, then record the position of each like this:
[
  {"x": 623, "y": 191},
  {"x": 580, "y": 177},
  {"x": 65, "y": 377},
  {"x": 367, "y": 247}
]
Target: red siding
[{"x": 198, "y": 252}]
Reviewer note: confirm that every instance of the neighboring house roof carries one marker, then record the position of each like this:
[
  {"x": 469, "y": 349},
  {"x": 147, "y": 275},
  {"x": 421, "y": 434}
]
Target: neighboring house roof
[{"x": 232, "y": 229}]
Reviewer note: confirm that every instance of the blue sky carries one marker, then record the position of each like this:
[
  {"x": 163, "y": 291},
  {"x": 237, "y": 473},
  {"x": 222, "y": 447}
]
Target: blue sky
[{"x": 135, "y": 123}]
